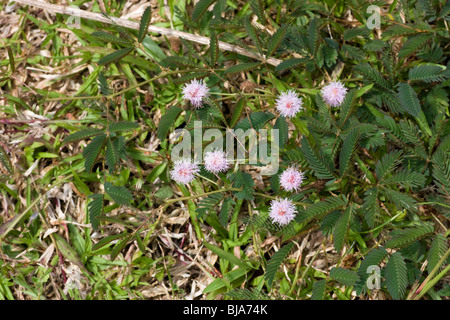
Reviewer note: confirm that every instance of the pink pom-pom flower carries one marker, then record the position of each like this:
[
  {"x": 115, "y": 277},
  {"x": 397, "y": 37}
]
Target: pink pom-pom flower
[
  {"x": 291, "y": 179},
  {"x": 184, "y": 171},
  {"x": 289, "y": 103},
  {"x": 282, "y": 211},
  {"x": 195, "y": 92},
  {"x": 216, "y": 161},
  {"x": 334, "y": 93}
]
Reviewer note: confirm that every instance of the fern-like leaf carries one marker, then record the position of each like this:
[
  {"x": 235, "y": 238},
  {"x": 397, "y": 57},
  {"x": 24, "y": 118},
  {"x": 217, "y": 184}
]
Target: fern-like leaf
[
  {"x": 145, "y": 22},
  {"x": 95, "y": 209},
  {"x": 320, "y": 209},
  {"x": 344, "y": 276},
  {"x": 409, "y": 235},
  {"x": 82, "y": 134},
  {"x": 275, "y": 262},
  {"x": 120, "y": 195},
  {"x": 122, "y": 126},
  {"x": 115, "y": 56},
  {"x": 92, "y": 150},
  {"x": 396, "y": 275},
  {"x": 318, "y": 291},
  {"x": 167, "y": 121}
]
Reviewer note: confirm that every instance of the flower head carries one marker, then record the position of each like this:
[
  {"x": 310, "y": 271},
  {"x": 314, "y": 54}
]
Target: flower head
[
  {"x": 184, "y": 171},
  {"x": 334, "y": 93},
  {"x": 291, "y": 179},
  {"x": 288, "y": 103},
  {"x": 216, "y": 161},
  {"x": 195, "y": 92},
  {"x": 282, "y": 211}
]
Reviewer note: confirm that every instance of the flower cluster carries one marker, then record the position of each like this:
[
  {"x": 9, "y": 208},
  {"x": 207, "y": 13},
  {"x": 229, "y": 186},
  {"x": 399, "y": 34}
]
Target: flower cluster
[
  {"x": 184, "y": 171},
  {"x": 288, "y": 104},
  {"x": 334, "y": 93},
  {"x": 291, "y": 179},
  {"x": 216, "y": 161},
  {"x": 282, "y": 211},
  {"x": 196, "y": 92}
]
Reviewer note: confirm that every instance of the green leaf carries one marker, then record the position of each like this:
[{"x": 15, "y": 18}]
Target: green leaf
[
  {"x": 82, "y": 134},
  {"x": 371, "y": 206},
  {"x": 275, "y": 40},
  {"x": 237, "y": 112},
  {"x": 115, "y": 56},
  {"x": 119, "y": 247},
  {"x": 317, "y": 161},
  {"x": 387, "y": 164},
  {"x": 226, "y": 211},
  {"x": 92, "y": 150},
  {"x": 227, "y": 256},
  {"x": 95, "y": 209},
  {"x": 122, "y": 126},
  {"x": 374, "y": 75},
  {"x": 140, "y": 243},
  {"x": 207, "y": 204},
  {"x": 318, "y": 290},
  {"x": 413, "y": 44},
  {"x": 344, "y": 276},
  {"x": 283, "y": 130},
  {"x": 321, "y": 208},
  {"x": 408, "y": 99},
  {"x": 213, "y": 48},
  {"x": 108, "y": 239},
  {"x": 290, "y": 64},
  {"x": 120, "y": 195},
  {"x": 427, "y": 73},
  {"x": 275, "y": 262},
  {"x": 353, "y": 52},
  {"x": 5, "y": 160},
  {"x": 200, "y": 8},
  {"x": 437, "y": 251},
  {"x": 340, "y": 229},
  {"x": 67, "y": 251},
  {"x": 396, "y": 275},
  {"x": 313, "y": 35},
  {"x": 401, "y": 200},
  {"x": 167, "y": 121},
  {"x": 348, "y": 150},
  {"x": 245, "y": 181},
  {"x": 164, "y": 193},
  {"x": 404, "y": 237},
  {"x": 406, "y": 178},
  {"x": 111, "y": 156},
  {"x": 350, "y": 34},
  {"x": 145, "y": 22}
]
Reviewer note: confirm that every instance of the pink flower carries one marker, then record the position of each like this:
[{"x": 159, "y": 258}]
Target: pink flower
[
  {"x": 282, "y": 211},
  {"x": 334, "y": 93},
  {"x": 288, "y": 103},
  {"x": 195, "y": 92},
  {"x": 184, "y": 171},
  {"x": 291, "y": 179},
  {"x": 216, "y": 161}
]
